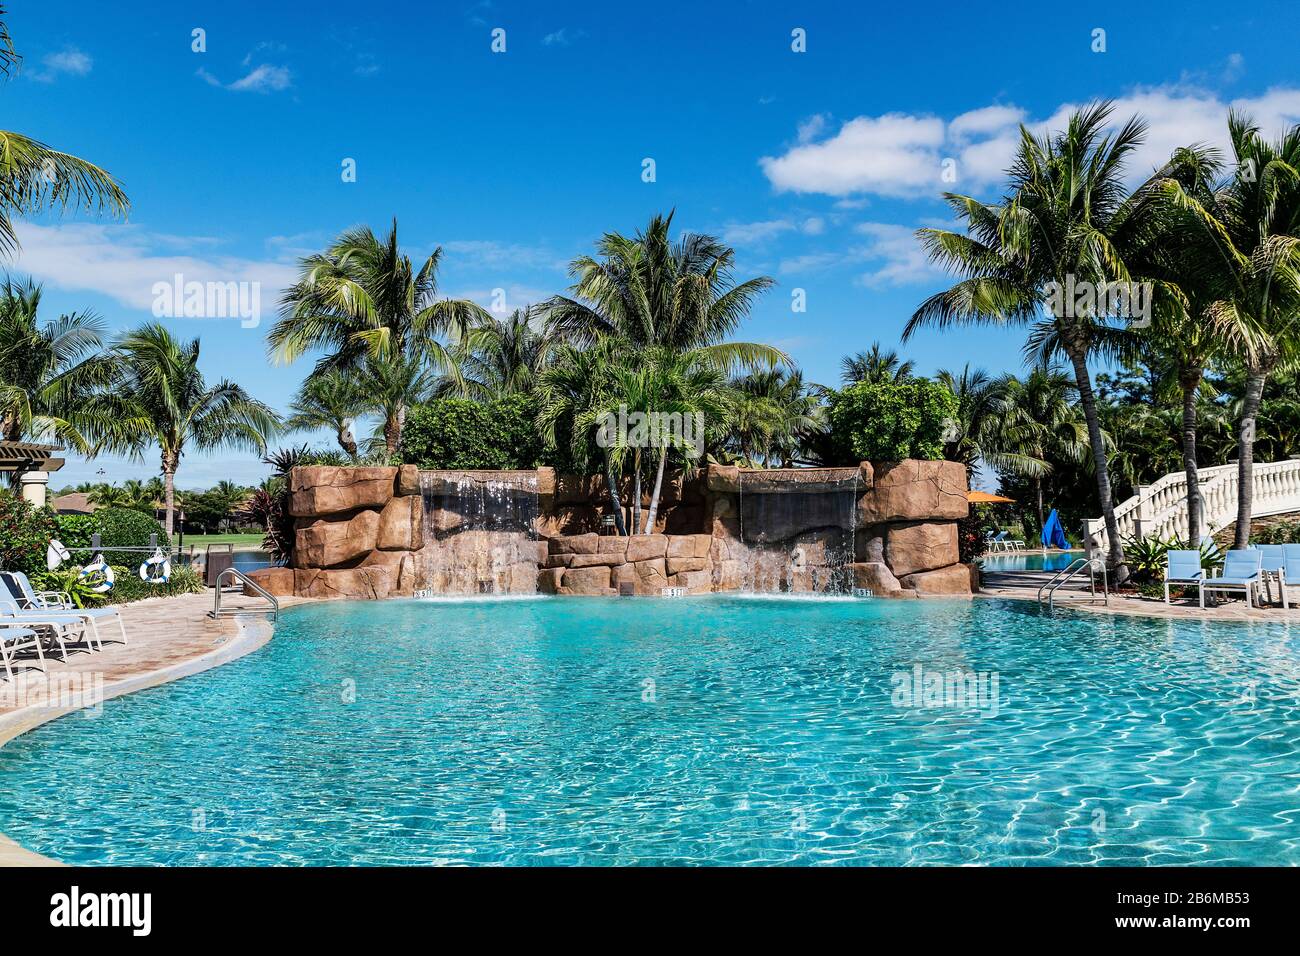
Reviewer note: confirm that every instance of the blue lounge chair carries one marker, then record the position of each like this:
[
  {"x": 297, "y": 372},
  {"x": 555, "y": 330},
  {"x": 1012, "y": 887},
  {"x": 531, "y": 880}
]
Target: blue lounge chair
[
  {"x": 1241, "y": 572},
  {"x": 13, "y": 639},
  {"x": 1290, "y": 568},
  {"x": 1273, "y": 566},
  {"x": 28, "y": 599},
  {"x": 1182, "y": 567},
  {"x": 997, "y": 542}
]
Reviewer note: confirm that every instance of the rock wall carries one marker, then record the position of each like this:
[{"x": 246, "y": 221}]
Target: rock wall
[
  {"x": 356, "y": 533},
  {"x": 640, "y": 565},
  {"x": 364, "y": 533}
]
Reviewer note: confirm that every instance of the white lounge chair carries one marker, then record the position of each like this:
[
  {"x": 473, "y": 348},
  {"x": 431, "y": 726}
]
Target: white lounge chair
[
  {"x": 14, "y": 639},
  {"x": 29, "y": 599},
  {"x": 64, "y": 627}
]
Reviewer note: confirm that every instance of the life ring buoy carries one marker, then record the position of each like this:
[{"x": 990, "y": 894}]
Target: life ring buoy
[
  {"x": 97, "y": 567},
  {"x": 156, "y": 569}
]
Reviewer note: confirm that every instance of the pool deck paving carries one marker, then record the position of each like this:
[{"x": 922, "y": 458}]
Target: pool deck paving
[
  {"x": 169, "y": 638},
  {"x": 1024, "y": 586}
]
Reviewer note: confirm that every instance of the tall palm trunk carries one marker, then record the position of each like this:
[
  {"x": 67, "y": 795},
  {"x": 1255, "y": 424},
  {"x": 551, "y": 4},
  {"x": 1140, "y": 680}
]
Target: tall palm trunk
[
  {"x": 1191, "y": 381},
  {"x": 654, "y": 498},
  {"x": 393, "y": 424},
  {"x": 1255, "y": 378},
  {"x": 1115, "y": 551},
  {"x": 169, "y": 463},
  {"x": 636, "y": 492},
  {"x": 346, "y": 441},
  {"x": 614, "y": 501},
  {"x": 1038, "y": 495}
]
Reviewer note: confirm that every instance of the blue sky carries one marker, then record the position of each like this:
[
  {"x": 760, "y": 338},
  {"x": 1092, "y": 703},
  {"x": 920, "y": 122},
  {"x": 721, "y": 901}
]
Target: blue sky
[{"x": 817, "y": 166}]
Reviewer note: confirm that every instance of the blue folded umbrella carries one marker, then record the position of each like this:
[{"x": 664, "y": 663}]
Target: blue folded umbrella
[{"x": 1053, "y": 534}]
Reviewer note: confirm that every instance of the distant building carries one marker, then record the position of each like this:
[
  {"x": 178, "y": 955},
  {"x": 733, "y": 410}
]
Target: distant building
[{"x": 75, "y": 503}]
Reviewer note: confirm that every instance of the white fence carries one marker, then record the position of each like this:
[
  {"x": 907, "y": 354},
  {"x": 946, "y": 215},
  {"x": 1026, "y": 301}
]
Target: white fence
[{"x": 1160, "y": 509}]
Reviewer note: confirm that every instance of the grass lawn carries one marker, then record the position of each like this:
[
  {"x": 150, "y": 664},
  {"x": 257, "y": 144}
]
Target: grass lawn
[{"x": 242, "y": 542}]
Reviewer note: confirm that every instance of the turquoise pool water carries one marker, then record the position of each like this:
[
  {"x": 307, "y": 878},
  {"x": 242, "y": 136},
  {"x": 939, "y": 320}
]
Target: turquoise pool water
[
  {"x": 713, "y": 730},
  {"x": 1030, "y": 561}
]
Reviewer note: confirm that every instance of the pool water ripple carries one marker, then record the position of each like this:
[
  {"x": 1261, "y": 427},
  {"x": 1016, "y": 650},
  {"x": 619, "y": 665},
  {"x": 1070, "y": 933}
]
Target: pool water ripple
[{"x": 694, "y": 731}]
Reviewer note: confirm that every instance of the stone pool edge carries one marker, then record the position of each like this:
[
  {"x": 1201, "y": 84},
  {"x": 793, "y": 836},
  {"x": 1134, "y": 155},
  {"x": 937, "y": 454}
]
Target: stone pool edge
[{"x": 251, "y": 634}]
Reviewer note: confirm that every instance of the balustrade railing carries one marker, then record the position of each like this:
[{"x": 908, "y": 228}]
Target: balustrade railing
[{"x": 1160, "y": 508}]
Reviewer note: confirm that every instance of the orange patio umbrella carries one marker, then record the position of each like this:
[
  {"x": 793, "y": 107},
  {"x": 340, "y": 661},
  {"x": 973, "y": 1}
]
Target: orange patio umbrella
[{"x": 984, "y": 498}]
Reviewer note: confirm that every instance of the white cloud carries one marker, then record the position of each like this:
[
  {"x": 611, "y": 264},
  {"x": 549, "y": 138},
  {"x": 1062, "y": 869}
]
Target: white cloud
[
  {"x": 901, "y": 155},
  {"x": 812, "y": 127},
  {"x": 490, "y": 254},
  {"x": 755, "y": 233},
  {"x": 124, "y": 261},
  {"x": 264, "y": 79},
  {"x": 894, "y": 154},
  {"x": 69, "y": 61},
  {"x": 562, "y": 37},
  {"x": 890, "y": 253},
  {"x": 901, "y": 258}
]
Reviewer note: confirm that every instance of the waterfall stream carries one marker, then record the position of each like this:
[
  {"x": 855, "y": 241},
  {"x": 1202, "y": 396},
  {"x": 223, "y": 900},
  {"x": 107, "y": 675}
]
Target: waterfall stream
[
  {"x": 797, "y": 535},
  {"x": 479, "y": 532}
]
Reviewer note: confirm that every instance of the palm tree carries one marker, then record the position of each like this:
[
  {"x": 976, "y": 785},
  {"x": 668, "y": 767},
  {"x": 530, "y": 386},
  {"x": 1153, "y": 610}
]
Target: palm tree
[
  {"x": 573, "y": 394},
  {"x": 160, "y": 398},
  {"x": 391, "y": 387},
  {"x": 650, "y": 291},
  {"x": 35, "y": 178},
  {"x": 503, "y": 357},
  {"x": 1066, "y": 218},
  {"x": 875, "y": 366},
  {"x": 1037, "y": 428},
  {"x": 330, "y": 400},
  {"x": 1187, "y": 335},
  {"x": 47, "y": 371},
  {"x": 970, "y": 434},
  {"x": 773, "y": 414},
  {"x": 1253, "y": 226},
  {"x": 363, "y": 302},
  {"x": 664, "y": 382},
  {"x": 111, "y": 496}
]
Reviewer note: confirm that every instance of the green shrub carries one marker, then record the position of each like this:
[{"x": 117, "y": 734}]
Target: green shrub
[
  {"x": 127, "y": 586},
  {"x": 25, "y": 533},
  {"x": 121, "y": 527},
  {"x": 890, "y": 421},
  {"x": 458, "y": 433}
]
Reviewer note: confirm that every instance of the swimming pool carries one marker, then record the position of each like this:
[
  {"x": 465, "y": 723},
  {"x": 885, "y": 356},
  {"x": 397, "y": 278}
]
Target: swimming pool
[
  {"x": 710, "y": 730},
  {"x": 1030, "y": 560}
]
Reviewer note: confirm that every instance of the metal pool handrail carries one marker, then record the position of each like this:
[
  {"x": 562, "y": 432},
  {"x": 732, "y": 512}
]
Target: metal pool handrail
[
  {"x": 248, "y": 582},
  {"x": 1063, "y": 577}
]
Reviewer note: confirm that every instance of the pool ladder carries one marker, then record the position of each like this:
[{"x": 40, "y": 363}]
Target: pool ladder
[
  {"x": 1066, "y": 574},
  {"x": 238, "y": 578}
]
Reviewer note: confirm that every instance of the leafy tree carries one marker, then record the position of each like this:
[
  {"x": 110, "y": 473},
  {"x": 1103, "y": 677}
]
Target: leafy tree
[
  {"x": 891, "y": 421},
  {"x": 35, "y": 178},
  {"x": 1066, "y": 218},
  {"x": 161, "y": 399},
  {"x": 774, "y": 415},
  {"x": 459, "y": 433},
  {"x": 364, "y": 303},
  {"x": 649, "y": 291},
  {"x": 875, "y": 366},
  {"x": 502, "y": 357},
  {"x": 47, "y": 371},
  {"x": 333, "y": 400},
  {"x": 1252, "y": 224}
]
